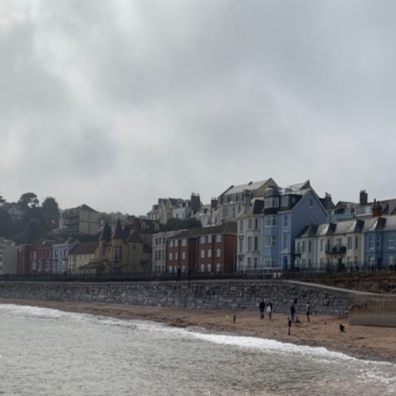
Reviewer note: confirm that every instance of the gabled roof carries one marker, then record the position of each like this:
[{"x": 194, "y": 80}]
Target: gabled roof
[
  {"x": 105, "y": 234},
  {"x": 308, "y": 231},
  {"x": 84, "y": 248},
  {"x": 118, "y": 231},
  {"x": 251, "y": 186}
]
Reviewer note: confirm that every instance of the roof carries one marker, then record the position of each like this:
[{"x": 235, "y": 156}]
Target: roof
[
  {"x": 251, "y": 186},
  {"x": 84, "y": 248},
  {"x": 383, "y": 223},
  {"x": 118, "y": 231},
  {"x": 225, "y": 228},
  {"x": 308, "y": 231},
  {"x": 341, "y": 227}
]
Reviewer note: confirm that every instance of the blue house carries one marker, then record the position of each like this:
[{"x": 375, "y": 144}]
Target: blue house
[
  {"x": 380, "y": 243},
  {"x": 286, "y": 212}
]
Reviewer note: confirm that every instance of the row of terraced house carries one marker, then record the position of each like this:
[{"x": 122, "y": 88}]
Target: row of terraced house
[{"x": 257, "y": 227}]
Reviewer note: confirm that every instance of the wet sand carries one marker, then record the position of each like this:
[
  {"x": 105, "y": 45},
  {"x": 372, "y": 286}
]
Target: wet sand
[{"x": 374, "y": 343}]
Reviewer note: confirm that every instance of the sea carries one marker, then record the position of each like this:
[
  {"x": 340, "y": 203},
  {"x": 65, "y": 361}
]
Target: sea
[{"x": 50, "y": 352}]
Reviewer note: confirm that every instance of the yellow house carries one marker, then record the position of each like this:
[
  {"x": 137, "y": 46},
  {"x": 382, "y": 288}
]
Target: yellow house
[{"x": 123, "y": 251}]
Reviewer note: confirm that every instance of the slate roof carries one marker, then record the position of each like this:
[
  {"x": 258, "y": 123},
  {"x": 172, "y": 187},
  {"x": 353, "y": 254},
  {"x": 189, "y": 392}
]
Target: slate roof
[
  {"x": 251, "y": 186},
  {"x": 84, "y": 248},
  {"x": 308, "y": 231},
  {"x": 225, "y": 228}
]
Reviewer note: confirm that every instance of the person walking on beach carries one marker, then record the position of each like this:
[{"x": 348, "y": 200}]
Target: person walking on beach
[
  {"x": 262, "y": 309},
  {"x": 293, "y": 312},
  {"x": 269, "y": 309},
  {"x": 308, "y": 310},
  {"x": 289, "y": 323}
]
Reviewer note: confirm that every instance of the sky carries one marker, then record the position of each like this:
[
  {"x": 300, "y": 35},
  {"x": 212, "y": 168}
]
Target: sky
[{"x": 115, "y": 103}]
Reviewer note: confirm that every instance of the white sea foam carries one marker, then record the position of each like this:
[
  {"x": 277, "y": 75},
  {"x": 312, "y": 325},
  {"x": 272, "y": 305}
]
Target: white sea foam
[{"x": 254, "y": 343}]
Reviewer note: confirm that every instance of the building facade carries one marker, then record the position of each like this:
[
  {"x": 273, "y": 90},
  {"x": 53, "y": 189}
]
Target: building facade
[
  {"x": 79, "y": 220},
  {"x": 60, "y": 256},
  {"x": 203, "y": 250},
  {"x": 159, "y": 245},
  {"x": 237, "y": 199}
]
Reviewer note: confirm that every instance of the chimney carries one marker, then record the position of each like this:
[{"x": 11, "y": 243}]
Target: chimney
[
  {"x": 377, "y": 209},
  {"x": 363, "y": 197},
  {"x": 195, "y": 202}
]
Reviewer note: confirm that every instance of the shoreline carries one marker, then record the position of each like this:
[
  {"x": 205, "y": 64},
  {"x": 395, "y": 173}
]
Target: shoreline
[{"x": 362, "y": 342}]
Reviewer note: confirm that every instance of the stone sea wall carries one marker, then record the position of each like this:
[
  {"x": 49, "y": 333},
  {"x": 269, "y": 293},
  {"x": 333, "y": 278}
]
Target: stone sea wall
[
  {"x": 233, "y": 295},
  {"x": 373, "y": 310}
]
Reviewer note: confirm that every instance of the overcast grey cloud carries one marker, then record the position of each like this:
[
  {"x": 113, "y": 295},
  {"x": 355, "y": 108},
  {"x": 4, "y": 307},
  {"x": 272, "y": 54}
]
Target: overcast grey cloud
[{"x": 117, "y": 103}]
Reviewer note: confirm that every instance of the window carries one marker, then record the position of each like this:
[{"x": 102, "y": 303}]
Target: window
[
  {"x": 209, "y": 253},
  {"x": 309, "y": 246},
  {"x": 378, "y": 241},
  {"x": 176, "y": 256},
  {"x": 321, "y": 245},
  {"x": 311, "y": 203},
  {"x": 209, "y": 267},
  {"x": 285, "y": 240},
  {"x": 241, "y": 226},
  {"x": 273, "y": 240},
  {"x": 255, "y": 263},
  {"x": 218, "y": 238},
  {"x": 250, "y": 223},
  {"x": 184, "y": 242},
  {"x": 218, "y": 267},
  {"x": 202, "y": 253},
  {"x": 249, "y": 263},
  {"x": 391, "y": 260},
  {"x": 255, "y": 243},
  {"x": 202, "y": 268},
  {"x": 202, "y": 239},
  {"x": 391, "y": 241},
  {"x": 170, "y": 256},
  {"x": 286, "y": 220},
  {"x": 371, "y": 241},
  {"x": 349, "y": 243},
  {"x": 356, "y": 242},
  {"x": 267, "y": 241},
  {"x": 218, "y": 252},
  {"x": 298, "y": 247},
  {"x": 249, "y": 243},
  {"x": 183, "y": 255},
  {"x": 256, "y": 223},
  {"x": 303, "y": 246}
]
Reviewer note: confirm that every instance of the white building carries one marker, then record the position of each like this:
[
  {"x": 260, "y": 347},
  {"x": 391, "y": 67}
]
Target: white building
[
  {"x": 8, "y": 257},
  {"x": 159, "y": 244},
  {"x": 236, "y": 199}
]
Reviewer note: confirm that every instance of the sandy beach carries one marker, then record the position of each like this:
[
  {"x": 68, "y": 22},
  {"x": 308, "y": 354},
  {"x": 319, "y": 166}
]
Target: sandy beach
[{"x": 374, "y": 343}]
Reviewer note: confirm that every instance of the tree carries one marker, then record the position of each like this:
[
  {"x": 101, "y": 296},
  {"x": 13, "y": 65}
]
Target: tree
[
  {"x": 28, "y": 200},
  {"x": 177, "y": 224},
  {"x": 51, "y": 213},
  {"x": 5, "y": 224}
]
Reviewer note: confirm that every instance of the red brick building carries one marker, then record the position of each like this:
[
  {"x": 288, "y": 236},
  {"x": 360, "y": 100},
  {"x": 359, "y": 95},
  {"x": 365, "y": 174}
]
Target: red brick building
[
  {"x": 40, "y": 258},
  {"x": 209, "y": 249}
]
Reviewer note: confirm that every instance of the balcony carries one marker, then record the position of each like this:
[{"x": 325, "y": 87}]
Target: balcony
[{"x": 338, "y": 250}]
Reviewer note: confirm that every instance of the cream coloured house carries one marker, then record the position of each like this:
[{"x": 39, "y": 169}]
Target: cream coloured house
[
  {"x": 81, "y": 255},
  {"x": 332, "y": 245}
]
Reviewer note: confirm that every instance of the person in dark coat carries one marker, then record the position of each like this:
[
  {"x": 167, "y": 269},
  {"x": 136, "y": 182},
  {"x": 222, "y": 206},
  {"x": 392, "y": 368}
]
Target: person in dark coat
[
  {"x": 262, "y": 309},
  {"x": 293, "y": 312}
]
